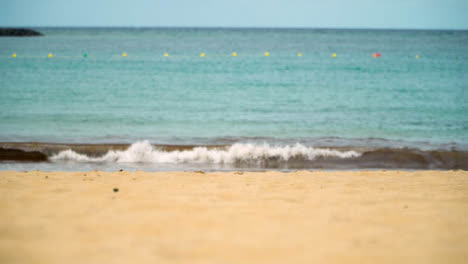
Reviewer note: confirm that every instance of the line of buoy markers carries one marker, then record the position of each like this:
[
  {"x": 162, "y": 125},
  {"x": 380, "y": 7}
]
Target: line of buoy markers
[{"x": 234, "y": 54}]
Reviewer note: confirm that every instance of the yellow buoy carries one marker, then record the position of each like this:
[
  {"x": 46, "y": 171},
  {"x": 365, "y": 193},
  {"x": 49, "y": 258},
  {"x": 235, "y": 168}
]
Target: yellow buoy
[
  {"x": 14, "y": 55},
  {"x": 202, "y": 55},
  {"x": 334, "y": 55},
  {"x": 299, "y": 54},
  {"x": 417, "y": 56},
  {"x": 234, "y": 54},
  {"x": 124, "y": 54},
  {"x": 50, "y": 55},
  {"x": 166, "y": 54},
  {"x": 267, "y": 54}
]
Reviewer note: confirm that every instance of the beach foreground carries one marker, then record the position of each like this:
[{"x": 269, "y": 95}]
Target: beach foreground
[{"x": 234, "y": 217}]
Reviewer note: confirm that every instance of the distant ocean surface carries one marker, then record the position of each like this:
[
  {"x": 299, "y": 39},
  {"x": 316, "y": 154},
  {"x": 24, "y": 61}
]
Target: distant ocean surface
[{"x": 407, "y": 108}]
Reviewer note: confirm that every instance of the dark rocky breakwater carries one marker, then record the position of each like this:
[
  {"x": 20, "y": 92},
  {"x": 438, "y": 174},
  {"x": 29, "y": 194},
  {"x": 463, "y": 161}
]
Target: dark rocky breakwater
[{"x": 18, "y": 32}]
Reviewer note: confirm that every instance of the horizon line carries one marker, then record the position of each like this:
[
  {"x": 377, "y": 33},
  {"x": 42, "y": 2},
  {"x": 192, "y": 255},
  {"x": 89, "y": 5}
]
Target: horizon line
[{"x": 241, "y": 27}]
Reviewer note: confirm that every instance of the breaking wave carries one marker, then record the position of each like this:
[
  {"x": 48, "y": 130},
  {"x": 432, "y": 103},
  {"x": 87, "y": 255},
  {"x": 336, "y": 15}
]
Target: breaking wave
[{"x": 144, "y": 152}]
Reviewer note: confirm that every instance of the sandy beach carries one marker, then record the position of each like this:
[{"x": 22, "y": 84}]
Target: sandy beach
[{"x": 234, "y": 217}]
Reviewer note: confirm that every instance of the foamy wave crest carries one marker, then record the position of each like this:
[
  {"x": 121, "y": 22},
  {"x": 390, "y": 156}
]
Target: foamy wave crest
[{"x": 144, "y": 152}]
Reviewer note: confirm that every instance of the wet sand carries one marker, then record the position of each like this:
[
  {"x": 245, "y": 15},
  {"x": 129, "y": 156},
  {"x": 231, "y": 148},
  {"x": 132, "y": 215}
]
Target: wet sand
[{"x": 229, "y": 217}]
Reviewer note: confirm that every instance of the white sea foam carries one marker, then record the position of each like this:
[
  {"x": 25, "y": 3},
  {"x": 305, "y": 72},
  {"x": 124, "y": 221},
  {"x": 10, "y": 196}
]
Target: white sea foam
[{"x": 144, "y": 152}]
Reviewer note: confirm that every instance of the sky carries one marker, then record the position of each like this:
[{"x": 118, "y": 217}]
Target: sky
[{"x": 398, "y": 14}]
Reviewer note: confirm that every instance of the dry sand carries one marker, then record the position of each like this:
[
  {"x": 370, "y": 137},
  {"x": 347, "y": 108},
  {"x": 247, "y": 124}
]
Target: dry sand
[{"x": 271, "y": 217}]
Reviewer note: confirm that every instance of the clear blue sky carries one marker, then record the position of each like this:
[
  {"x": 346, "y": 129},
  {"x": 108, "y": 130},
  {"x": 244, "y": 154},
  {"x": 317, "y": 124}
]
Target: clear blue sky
[{"x": 424, "y": 14}]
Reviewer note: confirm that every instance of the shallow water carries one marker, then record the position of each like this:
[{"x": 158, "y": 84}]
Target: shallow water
[{"x": 353, "y": 100}]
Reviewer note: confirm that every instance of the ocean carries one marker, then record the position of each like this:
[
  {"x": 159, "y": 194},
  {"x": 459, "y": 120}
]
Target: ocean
[{"x": 178, "y": 99}]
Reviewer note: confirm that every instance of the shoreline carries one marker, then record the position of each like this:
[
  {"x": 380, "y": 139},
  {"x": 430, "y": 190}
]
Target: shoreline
[
  {"x": 234, "y": 217},
  {"x": 234, "y": 156}
]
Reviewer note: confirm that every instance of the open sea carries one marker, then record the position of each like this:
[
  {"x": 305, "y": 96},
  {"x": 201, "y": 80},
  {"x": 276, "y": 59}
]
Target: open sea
[{"x": 109, "y": 99}]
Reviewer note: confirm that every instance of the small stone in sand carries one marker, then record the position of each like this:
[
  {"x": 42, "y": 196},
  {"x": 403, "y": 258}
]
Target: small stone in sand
[
  {"x": 116, "y": 189},
  {"x": 120, "y": 170}
]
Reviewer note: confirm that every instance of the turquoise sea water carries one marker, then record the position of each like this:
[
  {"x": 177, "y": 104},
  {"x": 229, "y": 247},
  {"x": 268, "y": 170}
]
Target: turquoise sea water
[{"x": 187, "y": 99}]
